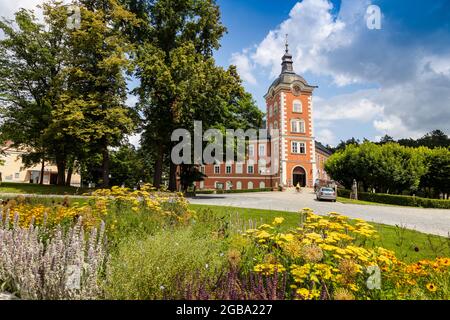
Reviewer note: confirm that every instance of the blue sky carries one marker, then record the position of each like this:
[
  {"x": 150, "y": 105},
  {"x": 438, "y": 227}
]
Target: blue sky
[{"x": 394, "y": 81}]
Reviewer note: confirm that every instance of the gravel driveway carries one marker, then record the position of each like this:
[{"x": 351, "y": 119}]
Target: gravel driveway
[{"x": 432, "y": 221}]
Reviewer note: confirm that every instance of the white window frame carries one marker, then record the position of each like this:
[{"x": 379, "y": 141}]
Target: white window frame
[
  {"x": 251, "y": 150},
  {"x": 298, "y": 126},
  {"x": 297, "y": 103},
  {"x": 263, "y": 148},
  {"x": 296, "y": 147},
  {"x": 229, "y": 169},
  {"x": 215, "y": 169},
  {"x": 252, "y": 166}
]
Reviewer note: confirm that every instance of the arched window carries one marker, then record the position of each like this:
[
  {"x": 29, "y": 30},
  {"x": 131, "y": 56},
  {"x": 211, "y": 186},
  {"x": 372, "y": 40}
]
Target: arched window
[
  {"x": 239, "y": 185},
  {"x": 297, "y": 106},
  {"x": 250, "y": 185},
  {"x": 262, "y": 185}
]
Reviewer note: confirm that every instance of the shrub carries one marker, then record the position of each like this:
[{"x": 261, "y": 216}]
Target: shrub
[
  {"x": 407, "y": 201},
  {"x": 65, "y": 267},
  {"x": 151, "y": 268},
  {"x": 206, "y": 191},
  {"x": 249, "y": 191}
]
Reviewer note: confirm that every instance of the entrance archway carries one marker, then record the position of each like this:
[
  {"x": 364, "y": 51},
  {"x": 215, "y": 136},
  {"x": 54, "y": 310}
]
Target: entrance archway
[{"x": 299, "y": 176}]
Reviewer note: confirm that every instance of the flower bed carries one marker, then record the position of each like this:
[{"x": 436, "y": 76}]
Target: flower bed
[{"x": 147, "y": 244}]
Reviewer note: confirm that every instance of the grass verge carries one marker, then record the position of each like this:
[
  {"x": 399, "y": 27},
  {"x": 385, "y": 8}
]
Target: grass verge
[
  {"x": 28, "y": 188},
  {"x": 409, "y": 245}
]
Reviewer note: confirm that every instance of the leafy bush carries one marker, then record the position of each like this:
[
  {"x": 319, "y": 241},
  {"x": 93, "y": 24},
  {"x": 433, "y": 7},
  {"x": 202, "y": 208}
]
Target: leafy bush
[
  {"x": 249, "y": 191},
  {"x": 156, "y": 266},
  {"x": 206, "y": 191},
  {"x": 407, "y": 201}
]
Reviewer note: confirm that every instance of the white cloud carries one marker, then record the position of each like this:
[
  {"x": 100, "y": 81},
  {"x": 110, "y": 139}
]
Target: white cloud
[
  {"x": 8, "y": 8},
  {"x": 244, "y": 66},
  {"x": 412, "y": 79},
  {"x": 347, "y": 107},
  {"x": 326, "y": 136},
  {"x": 135, "y": 140}
]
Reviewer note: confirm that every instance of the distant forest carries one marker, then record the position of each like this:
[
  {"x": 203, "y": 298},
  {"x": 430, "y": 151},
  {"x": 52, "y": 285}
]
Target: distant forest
[{"x": 433, "y": 139}]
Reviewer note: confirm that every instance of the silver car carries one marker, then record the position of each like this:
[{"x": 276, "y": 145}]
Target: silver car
[{"x": 326, "y": 193}]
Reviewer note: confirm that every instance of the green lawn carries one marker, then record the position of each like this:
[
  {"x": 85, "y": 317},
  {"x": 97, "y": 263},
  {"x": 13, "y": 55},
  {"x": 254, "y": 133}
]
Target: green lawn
[
  {"x": 28, "y": 188},
  {"x": 409, "y": 245},
  {"x": 352, "y": 201}
]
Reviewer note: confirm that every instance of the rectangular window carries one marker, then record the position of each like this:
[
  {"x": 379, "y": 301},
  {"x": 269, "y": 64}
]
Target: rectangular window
[
  {"x": 294, "y": 126},
  {"x": 217, "y": 169},
  {"x": 302, "y": 127},
  {"x": 17, "y": 176},
  {"x": 297, "y": 106},
  {"x": 251, "y": 150},
  {"x": 239, "y": 168},
  {"x": 202, "y": 169},
  {"x": 262, "y": 150},
  {"x": 229, "y": 169},
  {"x": 298, "y": 126},
  {"x": 298, "y": 147},
  {"x": 250, "y": 169}
]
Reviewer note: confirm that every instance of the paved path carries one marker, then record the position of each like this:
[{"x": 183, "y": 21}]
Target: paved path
[{"x": 432, "y": 221}]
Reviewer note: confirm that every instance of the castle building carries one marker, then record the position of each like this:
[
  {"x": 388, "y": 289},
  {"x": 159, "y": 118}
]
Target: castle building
[{"x": 300, "y": 158}]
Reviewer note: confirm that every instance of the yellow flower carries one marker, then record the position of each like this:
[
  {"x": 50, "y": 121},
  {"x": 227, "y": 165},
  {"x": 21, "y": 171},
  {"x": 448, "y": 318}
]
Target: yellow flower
[
  {"x": 278, "y": 221},
  {"x": 431, "y": 287}
]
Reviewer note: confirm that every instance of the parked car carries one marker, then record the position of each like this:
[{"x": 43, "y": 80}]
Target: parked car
[{"x": 326, "y": 193}]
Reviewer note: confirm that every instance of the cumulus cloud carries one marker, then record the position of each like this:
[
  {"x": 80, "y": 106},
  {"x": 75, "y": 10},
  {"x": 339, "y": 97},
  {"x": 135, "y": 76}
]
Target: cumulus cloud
[
  {"x": 326, "y": 136},
  {"x": 410, "y": 77},
  {"x": 8, "y": 8},
  {"x": 244, "y": 66}
]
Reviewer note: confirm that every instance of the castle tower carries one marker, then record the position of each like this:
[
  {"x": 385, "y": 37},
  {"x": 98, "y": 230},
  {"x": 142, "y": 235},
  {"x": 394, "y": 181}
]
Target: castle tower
[{"x": 290, "y": 112}]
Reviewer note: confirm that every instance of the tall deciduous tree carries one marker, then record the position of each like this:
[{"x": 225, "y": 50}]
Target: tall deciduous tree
[
  {"x": 31, "y": 80},
  {"x": 180, "y": 82},
  {"x": 93, "y": 109}
]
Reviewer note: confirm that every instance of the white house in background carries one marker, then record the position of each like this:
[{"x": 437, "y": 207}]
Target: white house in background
[{"x": 13, "y": 169}]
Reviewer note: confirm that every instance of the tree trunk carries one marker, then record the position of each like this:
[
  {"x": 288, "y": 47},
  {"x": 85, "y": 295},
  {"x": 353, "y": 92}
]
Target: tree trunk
[
  {"x": 157, "y": 174},
  {"x": 173, "y": 177},
  {"x": 41, "y": 178},
  {"x": 61, "y": 165},
  {"x": 69, "y": 175},
  {"x": 105, "y": 167}
]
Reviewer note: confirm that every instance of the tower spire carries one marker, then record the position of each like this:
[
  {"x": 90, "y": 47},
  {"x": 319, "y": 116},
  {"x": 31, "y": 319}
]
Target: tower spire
[
  {"x": 287, "y": 43},
  {"x": 287, "y": 64}
]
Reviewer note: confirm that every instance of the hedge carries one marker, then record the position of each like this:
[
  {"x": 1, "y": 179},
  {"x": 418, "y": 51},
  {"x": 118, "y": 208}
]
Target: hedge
[
  {"x": 249, "y": 191},
  {"x": 407, "y": 201},
  {"x": 209, "y": 191}
]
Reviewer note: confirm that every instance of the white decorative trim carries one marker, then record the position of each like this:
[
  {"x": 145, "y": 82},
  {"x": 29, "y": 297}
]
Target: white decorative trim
[{"x": 283, "y": 139}]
